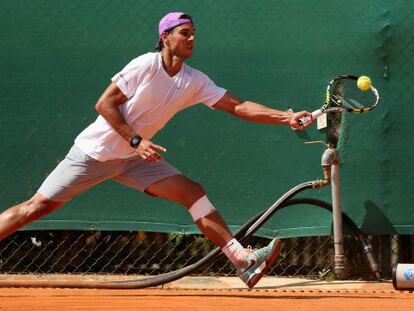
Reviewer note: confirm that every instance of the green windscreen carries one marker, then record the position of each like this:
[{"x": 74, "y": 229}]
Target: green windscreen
[{"x": 57, "y": 57}]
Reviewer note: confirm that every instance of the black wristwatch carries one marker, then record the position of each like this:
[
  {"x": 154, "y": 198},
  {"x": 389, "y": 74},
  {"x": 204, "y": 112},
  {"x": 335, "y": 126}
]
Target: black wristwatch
[{"x": 134, "y": 142}]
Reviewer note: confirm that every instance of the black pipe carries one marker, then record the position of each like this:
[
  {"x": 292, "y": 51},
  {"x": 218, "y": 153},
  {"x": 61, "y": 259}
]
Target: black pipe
[{"x": 366, "y": 245}]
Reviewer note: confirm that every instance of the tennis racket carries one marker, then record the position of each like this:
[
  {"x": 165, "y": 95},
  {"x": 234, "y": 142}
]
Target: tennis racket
[{"x": 343, "y": 95}]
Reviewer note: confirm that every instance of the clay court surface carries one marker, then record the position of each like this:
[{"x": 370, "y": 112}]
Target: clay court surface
[{"x": 203, "y": 293}]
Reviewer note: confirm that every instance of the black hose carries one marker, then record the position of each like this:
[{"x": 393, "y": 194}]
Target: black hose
[{"x": 248, "y": 229}]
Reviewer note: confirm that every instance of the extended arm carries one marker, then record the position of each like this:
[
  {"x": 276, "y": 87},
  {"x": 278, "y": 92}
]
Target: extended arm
[{"x": 254, "y": 112}]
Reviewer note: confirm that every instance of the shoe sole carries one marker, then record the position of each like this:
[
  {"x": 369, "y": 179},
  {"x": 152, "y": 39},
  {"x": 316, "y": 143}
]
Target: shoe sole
[{"x": 275, "y": 253}]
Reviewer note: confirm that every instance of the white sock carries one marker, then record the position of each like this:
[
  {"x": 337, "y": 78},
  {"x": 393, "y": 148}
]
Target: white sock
[{"x": 235, "y": 252}]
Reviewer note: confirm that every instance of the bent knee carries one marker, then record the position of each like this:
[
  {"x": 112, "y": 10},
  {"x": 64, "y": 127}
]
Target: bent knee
[
  {"x": 193, "y": 193},
  {"x": 201, "y": 208}
]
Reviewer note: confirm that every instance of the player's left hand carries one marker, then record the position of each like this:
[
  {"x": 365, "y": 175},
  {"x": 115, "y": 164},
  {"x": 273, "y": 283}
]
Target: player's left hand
[{"x": 149, "y": 151}]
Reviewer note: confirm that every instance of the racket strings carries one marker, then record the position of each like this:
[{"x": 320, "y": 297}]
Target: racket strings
[
  {"x": 355, "y": 103},
  {"x": 352, "y": 103},
  {"x": 351, "y": 98}
]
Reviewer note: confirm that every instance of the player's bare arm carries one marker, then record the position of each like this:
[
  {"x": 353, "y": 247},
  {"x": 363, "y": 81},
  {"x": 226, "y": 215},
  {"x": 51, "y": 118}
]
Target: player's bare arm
[
  {"x": 254, "y": 112},
  {"x": 108, "y": 107}
]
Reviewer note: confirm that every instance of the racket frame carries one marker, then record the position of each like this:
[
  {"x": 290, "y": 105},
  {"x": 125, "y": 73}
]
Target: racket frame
[{"x": 328, "y": 98}]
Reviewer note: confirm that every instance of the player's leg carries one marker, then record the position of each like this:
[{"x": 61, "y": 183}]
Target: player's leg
[
  {"x": 182, "y": 190},
  {"x": 75, "y": 174},
  {"x": 163, "y": 180},
  {"x": 251, "y": 264},
  {"x": 20, "y": 215}
]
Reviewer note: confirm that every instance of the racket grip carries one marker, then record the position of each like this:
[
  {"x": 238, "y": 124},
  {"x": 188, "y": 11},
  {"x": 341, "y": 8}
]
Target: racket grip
[{"x": 304, "y": 121}]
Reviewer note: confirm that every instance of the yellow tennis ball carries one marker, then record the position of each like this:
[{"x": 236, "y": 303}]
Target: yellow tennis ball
[{"x": 364, "y": 83}]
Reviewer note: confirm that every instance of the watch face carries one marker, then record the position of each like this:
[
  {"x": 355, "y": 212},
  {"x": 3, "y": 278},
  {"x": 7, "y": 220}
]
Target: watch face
[{"x": 135, "y": 141}]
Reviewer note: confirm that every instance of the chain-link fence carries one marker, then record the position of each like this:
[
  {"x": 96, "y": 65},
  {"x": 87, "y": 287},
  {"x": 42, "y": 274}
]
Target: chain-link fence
[{"x": 145, "y": 253}]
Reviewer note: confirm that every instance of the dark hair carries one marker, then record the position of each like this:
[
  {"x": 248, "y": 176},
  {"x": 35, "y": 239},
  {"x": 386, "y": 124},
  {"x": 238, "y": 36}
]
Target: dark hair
[{"x": 160, "y": 44}]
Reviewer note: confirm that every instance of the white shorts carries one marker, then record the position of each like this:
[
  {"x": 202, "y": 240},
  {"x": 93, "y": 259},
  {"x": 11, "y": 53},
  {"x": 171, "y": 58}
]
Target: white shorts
[{"x": 79, "y": 172}]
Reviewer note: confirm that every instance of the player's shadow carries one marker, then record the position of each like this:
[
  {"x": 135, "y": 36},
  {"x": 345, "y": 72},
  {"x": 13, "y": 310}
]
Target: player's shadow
[{"x": 375, "y": 221}]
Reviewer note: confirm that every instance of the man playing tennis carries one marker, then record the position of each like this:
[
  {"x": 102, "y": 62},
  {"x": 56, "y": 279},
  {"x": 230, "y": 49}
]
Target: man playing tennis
[{"x": 138, "y": 102}]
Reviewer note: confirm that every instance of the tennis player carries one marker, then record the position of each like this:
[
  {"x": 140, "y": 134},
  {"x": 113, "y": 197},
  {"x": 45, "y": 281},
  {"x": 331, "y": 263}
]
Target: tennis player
[{"x": 119, "y": 145}]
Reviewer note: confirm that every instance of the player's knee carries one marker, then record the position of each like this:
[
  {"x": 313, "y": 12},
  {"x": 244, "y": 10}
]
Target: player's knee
[
  {"x": 201, "y": 208},
  {"x": 193, "y": 193},
  {"x": 38, "y": 207}
]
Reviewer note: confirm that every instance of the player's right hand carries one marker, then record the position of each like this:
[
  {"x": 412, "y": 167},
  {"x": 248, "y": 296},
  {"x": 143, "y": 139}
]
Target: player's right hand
[
  {"x": 149, "y": 151},
  {"x": 296, "y": 117}
]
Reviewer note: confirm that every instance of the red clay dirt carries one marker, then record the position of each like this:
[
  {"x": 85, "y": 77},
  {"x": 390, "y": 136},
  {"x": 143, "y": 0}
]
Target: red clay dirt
[{"x": 201, "y": 293}]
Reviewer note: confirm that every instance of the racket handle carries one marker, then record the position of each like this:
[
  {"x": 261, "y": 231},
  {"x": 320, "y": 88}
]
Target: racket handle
[{"x": 304, "y": 121}]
